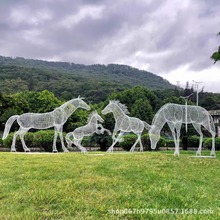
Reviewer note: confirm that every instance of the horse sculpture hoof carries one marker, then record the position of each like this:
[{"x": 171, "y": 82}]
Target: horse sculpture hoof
[
  {"x": 27, "y": 151},
  {"x": 110, "y": 150},
  {"x": 212, "y": 154},
  {"x": 55, "y": 151},
  {"x": 198, "y": 153},
  {"x": 13, "y": 151},
  {"x": 176, "y": 154}
]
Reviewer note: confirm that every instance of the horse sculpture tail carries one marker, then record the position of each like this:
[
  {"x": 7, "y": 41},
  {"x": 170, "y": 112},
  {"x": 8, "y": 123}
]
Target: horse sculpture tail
[
  {"x": 212, "y": 125},
  {"x": 146, "y": 125},
  {"x": 68, "y": 140},
  {"x": 8, "y": 125}
]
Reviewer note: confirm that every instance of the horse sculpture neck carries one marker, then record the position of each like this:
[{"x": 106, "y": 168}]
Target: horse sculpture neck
[
  {"x": 117, "y": 111},
  {"x": 159, "y": 120},
  {"x": 69, "y": 107},
  {"x": 93, "y": 120}
]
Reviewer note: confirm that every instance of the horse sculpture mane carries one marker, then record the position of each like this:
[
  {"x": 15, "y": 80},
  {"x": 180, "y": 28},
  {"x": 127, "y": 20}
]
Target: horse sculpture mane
[{"x": 123, "y": 107}]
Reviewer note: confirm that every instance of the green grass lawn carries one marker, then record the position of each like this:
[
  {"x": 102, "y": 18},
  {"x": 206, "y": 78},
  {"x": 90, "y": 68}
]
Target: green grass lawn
[{"x": 109, "y": 186}]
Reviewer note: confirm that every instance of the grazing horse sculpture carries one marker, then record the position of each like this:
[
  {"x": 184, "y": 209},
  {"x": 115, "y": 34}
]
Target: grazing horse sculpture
[
  {"x": 55, "y": 118},
  {"x": 124, "y": 123},
  {"x": 175, "y": 115},
  {"x": 90, "y": 128}
]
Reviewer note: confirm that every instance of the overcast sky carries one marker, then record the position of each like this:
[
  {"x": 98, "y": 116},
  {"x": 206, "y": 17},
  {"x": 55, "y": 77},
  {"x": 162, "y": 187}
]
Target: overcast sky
[{"x": 170, "y": 38}]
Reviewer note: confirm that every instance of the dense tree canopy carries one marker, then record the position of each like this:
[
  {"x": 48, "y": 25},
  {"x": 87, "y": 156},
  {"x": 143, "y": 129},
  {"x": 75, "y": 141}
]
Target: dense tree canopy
[
  {"x": 216, "y": 55},
  {"x": 68, "y": 80}
]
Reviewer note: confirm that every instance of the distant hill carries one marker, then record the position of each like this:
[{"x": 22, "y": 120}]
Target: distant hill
[{"x": 68, "y": 80}]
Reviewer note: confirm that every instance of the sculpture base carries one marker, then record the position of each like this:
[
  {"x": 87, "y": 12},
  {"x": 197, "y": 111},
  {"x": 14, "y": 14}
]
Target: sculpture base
[{"x": 213, "y": 157}]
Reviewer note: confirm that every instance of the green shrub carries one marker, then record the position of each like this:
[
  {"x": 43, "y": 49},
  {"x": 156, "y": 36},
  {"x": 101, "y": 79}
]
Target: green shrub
[
  {"x": 41, "y": 139},
  {"x": 28, "y": 138},
  {"x": 127, "y": 142},
  {"x": 169, "y": 143},
  {"x": 44, "y": 140},
  {"x": 103, "y": 141},
  {"x": 208, "y": 143},
  {"x": 1, "y": 142},
  {"x": 193, "y": 141},
  {"x": 147, "y": 144}
]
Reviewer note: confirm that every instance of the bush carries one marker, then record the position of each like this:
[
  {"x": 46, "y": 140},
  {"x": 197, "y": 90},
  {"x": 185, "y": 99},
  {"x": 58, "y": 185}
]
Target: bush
[
  {"x": 208, "y": 143},
  {"x": 103, "y": 141},
  {"x": 1, "y": 142},
  {"x": 28, "y": 140},
  {"x": 193, "y": 141},
  {"x": 169, "y": 143},
  {"x": 147, "y": 144},
  {"x": 42, "y": 139},
  {"x": 130, "y": 139}
]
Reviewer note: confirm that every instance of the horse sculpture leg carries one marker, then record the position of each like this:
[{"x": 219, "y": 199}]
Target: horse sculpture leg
[
  {"x": 208, "y": 127},
  {"x": 22, "y": 132},
  {"x": 198, "y": 129},
  {"x": 178, "y": 127},
  {"x": 176, "y": 152},
  {"x": 58, "y": 131},
  {"x": 138, "y": 140},
  {"x": 175, "y": 138},
  {"x": 78, "y": 144},
  {"x": 213, "y": 146},
  {"x": 141, "y": 145},
  {"x": 55, "y": 140},
  {"x": 61, "y": 138},
  {"x": 13, "y": 149},
  {"x": 110, "y": 149}
]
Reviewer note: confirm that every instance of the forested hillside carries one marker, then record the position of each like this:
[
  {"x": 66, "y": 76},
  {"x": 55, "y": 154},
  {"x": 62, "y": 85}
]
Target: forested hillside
[{"x": 67, "y": 80}]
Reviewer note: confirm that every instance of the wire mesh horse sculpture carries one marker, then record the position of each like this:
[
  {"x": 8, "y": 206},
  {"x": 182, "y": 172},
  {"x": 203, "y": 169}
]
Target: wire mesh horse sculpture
[
  {"x": 90, "y": 128},
  {"x": 124, "y": 124},
  {"x": 175, "y": 115},
  {"x": 55, "y": 118}
]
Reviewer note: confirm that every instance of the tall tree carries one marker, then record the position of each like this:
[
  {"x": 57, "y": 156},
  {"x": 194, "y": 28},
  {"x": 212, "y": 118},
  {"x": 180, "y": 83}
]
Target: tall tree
[{"x": 216, "y": 55}]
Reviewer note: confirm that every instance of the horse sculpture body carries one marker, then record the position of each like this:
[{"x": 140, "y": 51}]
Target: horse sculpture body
[
  {"x": 55, "y": 118},
  {"x": 175, "y": 115},
  {"x": 92, "y": 127},
  {"x": 124, "y": 124}
]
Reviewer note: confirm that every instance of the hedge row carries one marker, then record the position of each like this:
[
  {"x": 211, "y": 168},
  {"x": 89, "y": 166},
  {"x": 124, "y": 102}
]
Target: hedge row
[
  {"x": 129, "y": 140},
  {"x": 44, "y": 140}
]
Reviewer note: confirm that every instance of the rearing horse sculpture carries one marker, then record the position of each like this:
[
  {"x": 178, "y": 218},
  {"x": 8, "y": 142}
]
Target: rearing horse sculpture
[
  {"x": 90, "y": 128},
  {"x": 175, "y": 115},
  {"x": 55, "y": 118}
]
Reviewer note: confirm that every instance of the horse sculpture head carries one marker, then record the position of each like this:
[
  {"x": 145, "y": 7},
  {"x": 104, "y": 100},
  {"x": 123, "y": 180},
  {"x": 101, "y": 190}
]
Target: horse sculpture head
[
  {"x": 82, "y": 104},
  {"x": 154, "y": 134},
  {"x": 108, "y": 108},
  {"x": 113, "y": 106},
  {"x": 94, "y": 116},
  {"x": 99, "y": 118}
]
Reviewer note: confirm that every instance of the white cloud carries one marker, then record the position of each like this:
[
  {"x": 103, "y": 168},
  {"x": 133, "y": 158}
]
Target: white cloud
[
  {"x": 24, "y": 15},
  {"x": 86, "y": 12},
  {"x": 209, "y": 77},
  {"x": 171, "y": 38}
]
